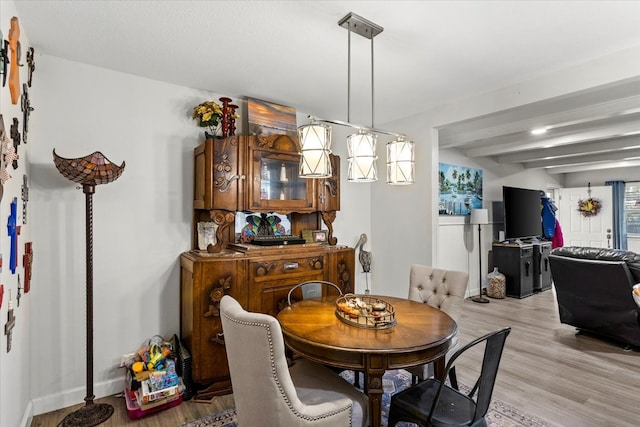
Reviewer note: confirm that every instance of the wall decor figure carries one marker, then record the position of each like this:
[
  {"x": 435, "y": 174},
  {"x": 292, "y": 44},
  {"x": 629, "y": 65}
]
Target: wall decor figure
[
  {"x": 31, "y": 63},
  {"x": 14, "y": 73},
  {"x": 13, "y": 229},
  {"x": 25, "y": 198},
  {"x": 11, "y": 323},
  {"x": 15, "y": 137},
  {"x": 25, "y": 106},
  {"x": 4, "y": 143},
  {"x": 27, "y": 263},
  {"x": 7, "y": 155},
  {"x": 19, "y": 294},
  {"x": 4, "y": 58},
  {"x": 460, "y": 189}
]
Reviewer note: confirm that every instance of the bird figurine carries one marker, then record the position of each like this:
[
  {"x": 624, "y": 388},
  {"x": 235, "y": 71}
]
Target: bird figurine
[{"x": 363, "y": 256}]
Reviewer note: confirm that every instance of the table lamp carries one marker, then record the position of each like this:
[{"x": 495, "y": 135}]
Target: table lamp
[{"x": 480, "y": 217}]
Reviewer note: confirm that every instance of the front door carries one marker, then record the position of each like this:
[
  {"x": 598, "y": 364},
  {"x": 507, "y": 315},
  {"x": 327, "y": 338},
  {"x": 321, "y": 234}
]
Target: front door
[{"x": 578, "y": 230}]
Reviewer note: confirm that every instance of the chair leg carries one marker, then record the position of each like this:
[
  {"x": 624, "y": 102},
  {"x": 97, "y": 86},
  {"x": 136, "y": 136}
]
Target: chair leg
[
  {"x": 453, "y": 379},
  {"x": 414, "y": 379},
  {"x": 356, "y": 378}
]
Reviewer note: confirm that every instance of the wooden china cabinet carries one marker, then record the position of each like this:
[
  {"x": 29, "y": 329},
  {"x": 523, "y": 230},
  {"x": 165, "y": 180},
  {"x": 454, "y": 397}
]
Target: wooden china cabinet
[{"x": 257, "y": 174}]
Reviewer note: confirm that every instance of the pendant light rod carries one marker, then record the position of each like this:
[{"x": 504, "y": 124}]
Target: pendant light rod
[
  {"x": 349, "y": 72},
  {"x": 356, "y": 126},
  {"x": 372, "y": 92}
]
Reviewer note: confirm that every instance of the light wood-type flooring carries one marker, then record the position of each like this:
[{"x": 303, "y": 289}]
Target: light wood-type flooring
[{"x": 546, "y": 370}]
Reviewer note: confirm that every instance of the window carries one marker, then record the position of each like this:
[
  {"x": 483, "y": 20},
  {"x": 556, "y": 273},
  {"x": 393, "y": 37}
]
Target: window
[{"x": 632, "y": 207}]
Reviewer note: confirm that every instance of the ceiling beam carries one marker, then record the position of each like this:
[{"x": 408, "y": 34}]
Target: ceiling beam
[
  {"x": 563, "y": 151},
  {"x": 612, "y": 156},
  {"x": 512, "y": 144}
]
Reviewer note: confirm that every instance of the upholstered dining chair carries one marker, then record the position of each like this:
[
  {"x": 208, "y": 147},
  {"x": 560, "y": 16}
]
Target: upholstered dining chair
[
  {"x": 442, "y": 289},
  {"x": 433, "y": 403},
  {"x": 267, "y": 392}
]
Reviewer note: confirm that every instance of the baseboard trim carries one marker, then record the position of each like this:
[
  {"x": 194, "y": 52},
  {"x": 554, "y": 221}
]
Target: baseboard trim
[
  {"x": 66, "y": 398},
  {"x": 27, "y": 417}
]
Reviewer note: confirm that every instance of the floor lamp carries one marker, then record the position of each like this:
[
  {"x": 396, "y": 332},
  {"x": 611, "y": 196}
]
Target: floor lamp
[
  {"x": 480, "y": 217},
  {"x": 89, "y": 171}
]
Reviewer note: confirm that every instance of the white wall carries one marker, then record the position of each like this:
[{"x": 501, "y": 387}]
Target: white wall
[{"x": 15, "y": 372}]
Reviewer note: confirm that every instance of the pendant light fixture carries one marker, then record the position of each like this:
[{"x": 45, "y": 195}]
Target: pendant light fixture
[
  {"x": 400, "y": 162},
  {"x": 315, "y": 138},
  {"x": 315, "y": 142}
]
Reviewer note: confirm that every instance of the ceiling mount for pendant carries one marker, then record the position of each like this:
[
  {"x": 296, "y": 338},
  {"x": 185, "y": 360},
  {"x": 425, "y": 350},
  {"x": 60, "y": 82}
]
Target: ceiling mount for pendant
[{"x": 361, "y": 26}]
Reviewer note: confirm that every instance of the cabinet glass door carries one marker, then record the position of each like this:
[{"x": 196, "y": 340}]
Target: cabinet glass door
[
  {"x": 279, "y": 180},
  {"x": 276, "y": 184}
]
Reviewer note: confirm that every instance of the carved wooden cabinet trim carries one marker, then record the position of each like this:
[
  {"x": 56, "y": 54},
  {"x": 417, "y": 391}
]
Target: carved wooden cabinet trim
[{"x": 229, "y": 177}]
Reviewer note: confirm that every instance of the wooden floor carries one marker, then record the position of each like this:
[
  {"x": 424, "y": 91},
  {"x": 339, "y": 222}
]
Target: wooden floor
[{"x": 546, "y": 370}]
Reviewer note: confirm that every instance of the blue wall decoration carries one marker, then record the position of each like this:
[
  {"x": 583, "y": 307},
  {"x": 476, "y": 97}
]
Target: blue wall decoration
[{"x": 460, "y": 189}]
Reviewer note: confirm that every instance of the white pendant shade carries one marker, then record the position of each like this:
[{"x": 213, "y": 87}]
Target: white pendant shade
[
  {"x": 400, "y": 162},
  {"x": 362, "y": 157},
  {"x": 315, "y": 142}
]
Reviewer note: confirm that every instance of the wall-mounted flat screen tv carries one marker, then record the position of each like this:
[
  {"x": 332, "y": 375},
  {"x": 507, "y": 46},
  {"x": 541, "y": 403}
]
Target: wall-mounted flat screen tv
[{"x": 522, "y": 213}]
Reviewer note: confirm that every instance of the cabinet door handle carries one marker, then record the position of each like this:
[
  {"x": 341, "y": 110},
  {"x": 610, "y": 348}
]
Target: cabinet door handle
[
  {"x": 332, "y": 189},
  {"x": 291, "y": 266},
  {"x": 226, "y": 185}
]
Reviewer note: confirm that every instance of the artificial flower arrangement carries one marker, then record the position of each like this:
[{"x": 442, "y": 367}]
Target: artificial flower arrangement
[
  {"x": 208, "y": 114},
  {"x": 589, "y": 207}
]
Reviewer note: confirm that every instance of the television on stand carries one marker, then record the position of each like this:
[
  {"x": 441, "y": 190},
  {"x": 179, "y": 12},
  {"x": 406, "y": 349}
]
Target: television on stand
[{"x": 522, "y": 213}]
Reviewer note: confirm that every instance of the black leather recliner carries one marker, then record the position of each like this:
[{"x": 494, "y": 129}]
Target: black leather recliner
[{"x": 593, "y": 288}]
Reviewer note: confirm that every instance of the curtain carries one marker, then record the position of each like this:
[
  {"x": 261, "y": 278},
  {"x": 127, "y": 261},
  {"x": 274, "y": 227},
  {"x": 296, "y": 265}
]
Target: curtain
[{"x": 619, "y": 225}]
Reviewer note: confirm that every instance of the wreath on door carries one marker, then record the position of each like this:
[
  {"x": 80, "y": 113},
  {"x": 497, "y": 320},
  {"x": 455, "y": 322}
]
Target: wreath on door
[{"x": 589, "y": 207}]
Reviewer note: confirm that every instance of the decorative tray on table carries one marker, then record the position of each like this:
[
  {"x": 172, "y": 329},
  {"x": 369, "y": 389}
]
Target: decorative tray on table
[{"x": 365, "y": 311}]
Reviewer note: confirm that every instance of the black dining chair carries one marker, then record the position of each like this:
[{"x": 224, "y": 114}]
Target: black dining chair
[{"x": 433, "y": 403}]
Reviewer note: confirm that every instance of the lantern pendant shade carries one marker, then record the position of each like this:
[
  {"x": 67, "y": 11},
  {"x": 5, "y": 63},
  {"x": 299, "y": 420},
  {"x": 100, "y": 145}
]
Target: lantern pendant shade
[
  {"x": 400, "y": 162},
  {"x": 315, "y": 143},
  {"x": 362, "y": 157}
]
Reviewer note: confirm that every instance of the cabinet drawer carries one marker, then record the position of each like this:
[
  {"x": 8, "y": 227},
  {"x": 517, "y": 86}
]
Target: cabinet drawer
[{"x": 268, "y": 270}]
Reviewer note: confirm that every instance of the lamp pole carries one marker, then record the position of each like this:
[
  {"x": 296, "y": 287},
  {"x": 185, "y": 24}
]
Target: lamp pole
[{"x": 479, "y": 216}]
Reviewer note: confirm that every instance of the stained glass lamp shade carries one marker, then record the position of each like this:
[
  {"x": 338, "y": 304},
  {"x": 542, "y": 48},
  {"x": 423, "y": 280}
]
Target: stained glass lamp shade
[{"x": 93, "y": 169}]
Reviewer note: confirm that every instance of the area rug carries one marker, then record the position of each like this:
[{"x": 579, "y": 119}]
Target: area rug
[{"x": 500, "y": 414}]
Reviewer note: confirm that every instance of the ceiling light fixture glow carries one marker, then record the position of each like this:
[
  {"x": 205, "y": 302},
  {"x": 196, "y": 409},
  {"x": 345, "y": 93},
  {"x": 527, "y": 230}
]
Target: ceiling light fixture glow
[{"x": 539, "y": 131}]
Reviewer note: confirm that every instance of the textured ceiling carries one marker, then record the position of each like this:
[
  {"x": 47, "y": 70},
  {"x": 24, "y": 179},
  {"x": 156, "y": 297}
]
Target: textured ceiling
[{"x": 293, "y": 52}]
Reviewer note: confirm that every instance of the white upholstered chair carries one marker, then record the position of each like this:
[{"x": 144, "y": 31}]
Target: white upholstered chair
[
  {"x": 442, "y": 289},
  {"x": 269, "y": 393}
]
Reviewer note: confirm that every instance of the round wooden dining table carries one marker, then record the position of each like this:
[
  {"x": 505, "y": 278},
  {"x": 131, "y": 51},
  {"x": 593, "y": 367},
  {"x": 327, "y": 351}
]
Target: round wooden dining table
[{"x": 422, "y": 334}]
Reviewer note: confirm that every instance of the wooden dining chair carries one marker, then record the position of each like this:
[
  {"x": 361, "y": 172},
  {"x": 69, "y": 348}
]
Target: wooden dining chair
[
  {"x": 433, "y": 403},
  {"x": 312, "y": 289},
  {"x": 267, "y": 392},
  {"x": 444, "y": 290}
]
